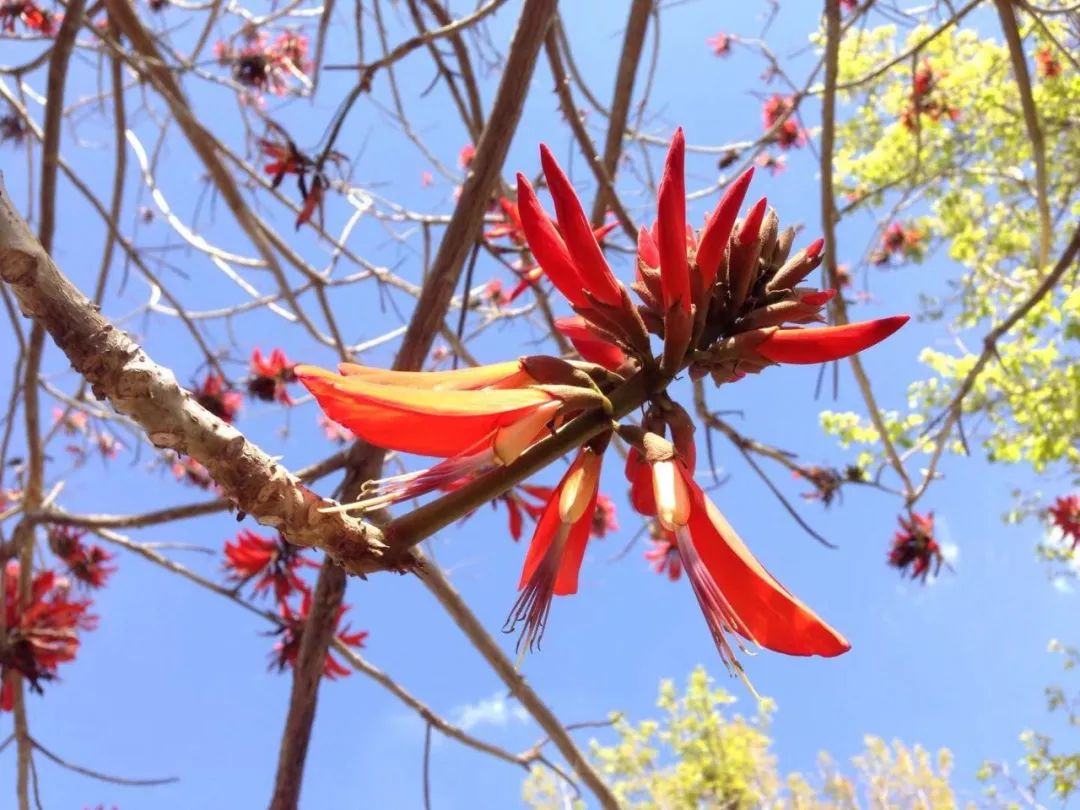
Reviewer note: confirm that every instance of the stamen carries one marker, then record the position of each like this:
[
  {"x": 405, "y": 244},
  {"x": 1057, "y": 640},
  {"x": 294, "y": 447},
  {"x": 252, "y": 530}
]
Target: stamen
[{"x": 534, "y": 602}]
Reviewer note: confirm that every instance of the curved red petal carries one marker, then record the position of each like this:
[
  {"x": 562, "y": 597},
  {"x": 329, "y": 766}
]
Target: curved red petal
[
  {"x": 805, "y": 346},
  {"x": 671, "y": 227},
  {"x": 646, "y": 248},
  {"x": 717, "y": 231},
  {"x": 578, "y": 234},
  {"x": 547, "y": 245},
  {"x": 768, "y": 614}
]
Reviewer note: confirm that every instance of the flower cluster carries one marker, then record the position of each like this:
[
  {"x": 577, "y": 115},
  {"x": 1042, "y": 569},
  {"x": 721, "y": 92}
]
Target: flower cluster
[
  {"x": 779, "y": 112},
  {"x": 901, "y": 241},
  {"x": 218, "y": 397},
  {"x": 927, "y": 98},
  {"x": 720, "y": 44},
  {"x": 291, "y": 632},
  {"x": 39, "y": 633},
  {"x": 76, "y": 423},
  {"x": 30, "y": 14},
  {"x": 725, "y": 301},
  {"x": 915, "y": 551},
  {"x": 270, "y": 378},
  {"x": 1046, "y": 64},
  {"x": 1064, "y": 514},
  {"x": 265, "y": 65},
  {"x": 87, "y": 565}
]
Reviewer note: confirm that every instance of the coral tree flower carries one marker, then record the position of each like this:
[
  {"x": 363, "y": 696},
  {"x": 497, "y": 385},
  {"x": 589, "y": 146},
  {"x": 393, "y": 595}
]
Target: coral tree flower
[
  {"x": 217, "y": 398},
  {"x": 40, "y": 636},
  {"x": 914, "y": 550},
  {"x": 1064, "y": 514},
  {"x": 292, "y": 633},
  {"x": 269, "y": 378},
  {"x": 271, "y": 563},
  {"x": 87, "y": 565},
  {"x": 558, "y": 545},
  {"x": 736, "y": 594}
]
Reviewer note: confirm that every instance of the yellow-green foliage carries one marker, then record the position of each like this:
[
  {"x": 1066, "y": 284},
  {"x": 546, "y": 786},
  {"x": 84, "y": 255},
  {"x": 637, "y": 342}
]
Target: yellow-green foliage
[
  {"x": 697, "y": 756},
  {"x": 976, "y": 178}
]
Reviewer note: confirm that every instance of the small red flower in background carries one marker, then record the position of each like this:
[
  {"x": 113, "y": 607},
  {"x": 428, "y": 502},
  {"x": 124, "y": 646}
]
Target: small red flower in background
[
  {"x": 216, "y": 398},
  {"x": 426, "y": 179},
  {"x": 292, "y": 632},
  {"x": 333, "y": 431},
  {"x": 274, "y": 562},
  {"x": 12, "y": 129},
  {"x": 31, "y": 15},
  {"x": 825, "y": 480},
  {"x": 914, "y": 550},
  {"x": 1065, "y": 515},
  {"x": 466, "y": 155},
  {"x": 1045, "y": 64},
  {"x": 774, "y": 163},
  {"x": 185, "y": 468},
  {"x": 720, "y": 44},
  {"x": 108, "y": 445},
  {"x": 897, "y": 240},
  {"x": 849, "y": 5},
  {"x": 266, "y": 66},
  {"x": 927, "y": 98},
  {"x": 664, "y": 554},
  {"x": 789, "y": 134},
  {"x": 43, "y": 635},
  {"x": 270, "y": 377},
  {"x": 88, "y": 565}
]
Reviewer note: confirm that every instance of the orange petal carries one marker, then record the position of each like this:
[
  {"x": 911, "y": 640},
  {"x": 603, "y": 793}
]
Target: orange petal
[
  {"x": 415, "y": 420},
  {"x": 803, "y": 346},
  {"x": 768, "y": 614},
  {"x": 501, "y": 375}
]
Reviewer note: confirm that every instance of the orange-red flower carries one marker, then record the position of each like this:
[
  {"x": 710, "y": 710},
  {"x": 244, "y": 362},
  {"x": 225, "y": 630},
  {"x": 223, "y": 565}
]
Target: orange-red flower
[
  {"x": 593, "y": 347},
  {"x": 736, "y": 594},
  {"x": 1064, "y": 513},
  {"x": 720, "y": 44},
  {"x": 219, "y": 399},
  {"x": 292, "y": 633},
  {"x": 269, "y": 378},
  {"x": 30, "y": 14},
  {"x": 915, "y": 551},
  {"x": 1046, "y": 64},
  {"x": 40, "y": 636},
  {"x": 88, "y": 565},
  {"x": 271, "y": 563},
  {"x": 664, "y": 554},
  {"x": 558, "y": 546}
]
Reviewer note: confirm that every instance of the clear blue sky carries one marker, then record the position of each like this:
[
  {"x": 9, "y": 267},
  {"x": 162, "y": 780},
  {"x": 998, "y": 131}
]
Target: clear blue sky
[{"x": 175, "y": 680}]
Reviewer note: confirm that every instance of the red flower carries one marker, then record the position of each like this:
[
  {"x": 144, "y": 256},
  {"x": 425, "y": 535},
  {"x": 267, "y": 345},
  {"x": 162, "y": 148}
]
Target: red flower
[
  {"x": 720, "y": 44},
  {"x": 927, "y": 98},
  {"x": 736, "y": 594},
  {"x": 185, "y": 468},
  {"x": 898, "y": 240},
  {"x": 593, "y": 347},
  {"x": 774, "y": 163},
  {"x": 778, "y": 112},
  {"x": 12, "y": 129},
  {"x": 1046, "y": 65},
  {"x": 266, "y": 66},
  {"x": 86, "y": 564},
  {"x": 466, "y": 156},
  {"x": 40, "y": 636},
  {"x": 31, "y": 15},
  {"x": 915, "y": 548},
  {"x": 274, "y": 562},
  {"x": 664, "y": 554},
  {"x": 604, "y": 518},
  {"x": 269, "y": 378},
  {"x": 1065, "y": 515},
  {"x": 292, "y": 632},
  {"x": 216, "y": 398},
  {"x": 557, "y": 547}
]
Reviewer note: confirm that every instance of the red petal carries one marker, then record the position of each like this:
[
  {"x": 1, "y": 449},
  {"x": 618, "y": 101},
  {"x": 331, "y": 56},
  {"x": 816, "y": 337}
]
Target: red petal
[
  {"x": 717, "y": 231},
  {"x": 543, "y": 534},
  {"x": 769, "y": 615},
  {"x": 804, "y": 346},
  {"x": 547, "y": 245},
  {"x": 671, "y": 227},
  {"x": 566, "y": 581},
  {"x": 751, "y": 226},
  {"x": 578, "y": 233},
  {"x": 639, "y": 474},
  {"x": 591, "y": 348},
  {"x": 646, "y": 248},
  {"x": 412, "y": 420}
]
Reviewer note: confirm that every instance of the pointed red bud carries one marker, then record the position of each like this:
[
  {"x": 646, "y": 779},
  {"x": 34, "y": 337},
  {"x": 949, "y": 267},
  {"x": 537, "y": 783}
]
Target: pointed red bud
[
  {"x": 547, "y": 245},
  {"x": 591, "y": 346},
  {"x": 646, "y": 248},
  {"x": 717, "y": 231},
  {"x": 578, "y": 234},
  {"x": 671, "y": 227},
  {"x": 751, "y": 226},
  {"x": 805, "y": 346},
  {"x": 817, "y": 299}
]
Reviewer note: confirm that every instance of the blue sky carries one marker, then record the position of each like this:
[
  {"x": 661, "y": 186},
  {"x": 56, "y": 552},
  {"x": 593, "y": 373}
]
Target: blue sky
[{"x": 175, "y": 680}]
